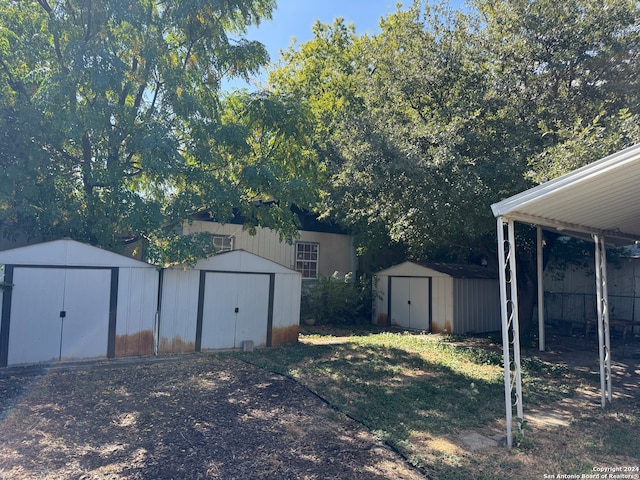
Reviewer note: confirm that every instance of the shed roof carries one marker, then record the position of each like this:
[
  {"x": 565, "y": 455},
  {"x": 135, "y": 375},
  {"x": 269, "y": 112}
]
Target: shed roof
[
  {"x": 449, "y": 269},
  {"x": 241, "y": 261},
  {"x": 601, "y": 198},
  {"x": 462, "y": 271},
  {"x": 67, "y": 252}
]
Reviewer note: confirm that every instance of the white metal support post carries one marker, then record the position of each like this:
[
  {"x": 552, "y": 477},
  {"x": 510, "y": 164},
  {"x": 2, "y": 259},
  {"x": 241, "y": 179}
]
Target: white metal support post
[
  {"x": 604, "y": 339},
  {"x": 510, "y": 324},
  {"x": 540, "y": 271}
]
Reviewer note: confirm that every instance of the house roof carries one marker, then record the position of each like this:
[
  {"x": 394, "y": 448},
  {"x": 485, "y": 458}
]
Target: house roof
[
  {"x": 66, "y": 252},
  {"x": 602, "y": 198},
  {"x": 309, "y": 221}
]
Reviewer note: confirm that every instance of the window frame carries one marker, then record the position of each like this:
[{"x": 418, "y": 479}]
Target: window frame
[
  {"x": 313, "y": 250},
  {"x": 224, "y": 239}
]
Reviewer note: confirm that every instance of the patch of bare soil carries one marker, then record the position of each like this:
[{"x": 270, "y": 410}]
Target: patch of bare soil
[{"x": 188, "y": 417}]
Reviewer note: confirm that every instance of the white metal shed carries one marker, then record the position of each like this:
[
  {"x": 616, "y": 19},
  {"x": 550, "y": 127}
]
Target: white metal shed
[
  {"x": 598, "y": 201},
  {"x": 227, "y": 299},
  {"x": 438, "y": 297},
  {"x": 66, "y": 300}
]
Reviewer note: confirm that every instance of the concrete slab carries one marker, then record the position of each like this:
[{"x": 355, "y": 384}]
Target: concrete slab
[{"x": 476, "y": 441}]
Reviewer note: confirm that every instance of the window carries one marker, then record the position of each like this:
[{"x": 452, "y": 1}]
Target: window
[
  {"x": 223, "y": 243},
  {"x": 307, "y": 259}
]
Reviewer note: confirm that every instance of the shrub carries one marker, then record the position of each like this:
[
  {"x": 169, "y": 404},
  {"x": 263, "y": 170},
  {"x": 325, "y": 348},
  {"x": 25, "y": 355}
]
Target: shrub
[{"x": 335, "y": 300}]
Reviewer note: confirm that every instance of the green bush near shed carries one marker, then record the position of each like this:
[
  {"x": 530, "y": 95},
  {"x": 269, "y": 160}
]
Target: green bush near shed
[{"x": 332, "y": 300}]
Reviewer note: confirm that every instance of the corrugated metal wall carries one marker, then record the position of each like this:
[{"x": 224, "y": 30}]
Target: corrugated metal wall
[
  {"x": 286, "y": 309},
  {"x": 178, "y": 311},
  {"x": 443, "y": 314},
  {"x": 137, "y": 305},
  {"x": 476, "y": 305}
]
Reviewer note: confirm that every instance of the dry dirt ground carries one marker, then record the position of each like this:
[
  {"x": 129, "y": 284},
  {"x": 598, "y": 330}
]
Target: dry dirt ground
[{"x": 188, "y": 417}]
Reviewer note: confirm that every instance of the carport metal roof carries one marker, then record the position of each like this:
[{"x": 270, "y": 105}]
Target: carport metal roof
[{"x": 600, "y": 200}]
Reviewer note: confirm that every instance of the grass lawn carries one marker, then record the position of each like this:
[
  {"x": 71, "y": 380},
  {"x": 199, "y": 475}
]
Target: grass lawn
[{"x": 419, "y": 393}]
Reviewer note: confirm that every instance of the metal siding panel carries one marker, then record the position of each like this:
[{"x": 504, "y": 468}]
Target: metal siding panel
[
  {"x": 442, "y": 291},
  {"x": 87, "y": 298},
  {"x": 477, "y": 306},
  {"x": 178, "y": 311},
  {"x": 34, "y": 333},
  {"x": 420, "y": 308},
  {"x": 253, "y": 304},
  {"x": 5, "y": 316},
  {"x": 137, "y": 304},
  {"x": 380, "y": 288},
  {"x": 400, "y": 313},
  {"x": 222, "y": 326},
  {"x": 286, "y": 309}
]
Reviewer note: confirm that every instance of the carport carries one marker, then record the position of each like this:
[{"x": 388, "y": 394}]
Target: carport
[{"x": 598, "y": 201}]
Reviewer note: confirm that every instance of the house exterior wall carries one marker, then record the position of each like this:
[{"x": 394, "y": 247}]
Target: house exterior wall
[{"x": 336, "y": 250}]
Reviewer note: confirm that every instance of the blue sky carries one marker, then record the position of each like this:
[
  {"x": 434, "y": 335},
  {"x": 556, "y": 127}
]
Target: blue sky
[{"x": 294, "y": 19}]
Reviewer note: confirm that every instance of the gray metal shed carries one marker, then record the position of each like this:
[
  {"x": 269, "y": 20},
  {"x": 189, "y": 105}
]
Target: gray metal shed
[
  {"x": 65, "y": 300},
  {"x": 438, "y": 297}
]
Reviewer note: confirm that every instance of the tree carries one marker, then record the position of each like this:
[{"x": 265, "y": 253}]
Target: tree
[
  {"x": 114, "y": 124},
  {"x": 571, "y": 68},
  {"x": 415, "y": 143},
  {"x": 571, "y": 71},
  {"x": 447, "y": 112}
]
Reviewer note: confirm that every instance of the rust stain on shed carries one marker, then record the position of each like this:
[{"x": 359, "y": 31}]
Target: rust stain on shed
[
  {"x": 382, "y": 320},
  {"x": 133, "y": 344},
  {"x": 176, "y": 345},
  {"x": 282, "y": 335},
  {"x": 436, "y": 328}
]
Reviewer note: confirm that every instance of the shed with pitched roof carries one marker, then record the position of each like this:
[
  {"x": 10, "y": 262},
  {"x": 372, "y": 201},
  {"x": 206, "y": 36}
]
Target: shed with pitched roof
[{"x": 438, "y": 297}]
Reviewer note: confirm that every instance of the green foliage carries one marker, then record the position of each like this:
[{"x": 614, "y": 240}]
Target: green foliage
[
  {"x": 332, "y": 300},
  {"x": 426, "y": 124},
  {"x": 112, "y": 125}
]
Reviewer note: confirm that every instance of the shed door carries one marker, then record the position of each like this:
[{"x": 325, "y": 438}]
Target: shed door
[
  {"x": 235, "y": 308},
  {"x": 410, "y": 302},
  {"x": 58, "y": 314}
]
